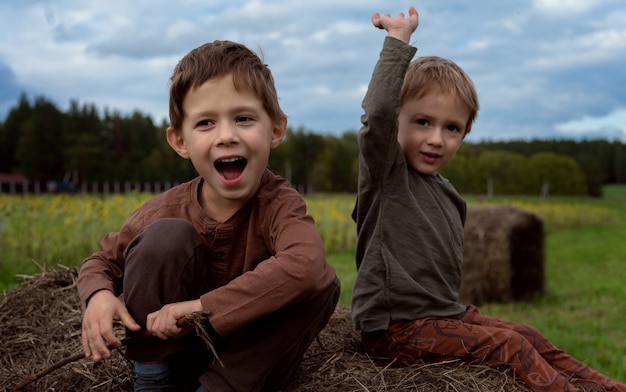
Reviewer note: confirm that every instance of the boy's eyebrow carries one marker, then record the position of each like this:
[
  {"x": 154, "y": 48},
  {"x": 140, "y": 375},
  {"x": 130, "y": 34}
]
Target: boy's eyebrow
[
  {"x": 459, "y": 122},
  {"x": 236, "y": 109}
]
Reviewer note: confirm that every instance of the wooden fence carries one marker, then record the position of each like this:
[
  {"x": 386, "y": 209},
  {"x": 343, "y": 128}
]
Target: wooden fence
[{"x": 104, "y": 188}]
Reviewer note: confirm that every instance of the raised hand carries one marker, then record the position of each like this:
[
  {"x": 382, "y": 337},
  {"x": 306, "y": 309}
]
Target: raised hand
[{"x": 399, "y": 27}]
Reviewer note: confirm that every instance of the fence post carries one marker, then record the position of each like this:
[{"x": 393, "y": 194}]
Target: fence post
[
  {"x": 545, "y": 189},
  {"x": 490, "y": 187}
]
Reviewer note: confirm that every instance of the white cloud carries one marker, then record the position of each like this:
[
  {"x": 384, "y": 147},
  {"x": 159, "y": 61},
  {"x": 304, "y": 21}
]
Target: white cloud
[
  {"x": 608, "y": 40},
  {"x": 337, "y": 30},
  {"x": 180, "y": 28},
  {"x": 565, "y": 6},
  {"x": 614, "y": 123}
]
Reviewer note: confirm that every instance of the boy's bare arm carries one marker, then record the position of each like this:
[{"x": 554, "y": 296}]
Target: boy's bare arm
[{"x": 400, "y": 27}]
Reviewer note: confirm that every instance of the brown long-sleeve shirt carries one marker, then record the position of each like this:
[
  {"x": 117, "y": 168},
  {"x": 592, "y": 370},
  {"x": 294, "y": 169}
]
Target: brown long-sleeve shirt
[{"x": 266, "y": 256}]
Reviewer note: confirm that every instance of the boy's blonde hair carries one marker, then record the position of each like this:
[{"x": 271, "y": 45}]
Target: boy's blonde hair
[
  {"x": 431, "y": 72},
  {"x": 221, "y": 58}
]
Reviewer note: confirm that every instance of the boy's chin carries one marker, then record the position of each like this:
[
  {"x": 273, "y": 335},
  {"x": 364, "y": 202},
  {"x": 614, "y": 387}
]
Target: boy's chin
[{"x": 427, "y": 171}]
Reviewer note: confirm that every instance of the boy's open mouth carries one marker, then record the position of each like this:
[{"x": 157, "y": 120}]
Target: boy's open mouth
[{"x": 231, "y": 168}]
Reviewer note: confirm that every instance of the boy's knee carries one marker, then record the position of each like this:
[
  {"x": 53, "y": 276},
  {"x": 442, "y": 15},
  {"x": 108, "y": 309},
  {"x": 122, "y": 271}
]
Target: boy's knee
[
  {"x": 163, "y": 237},
  {"x": 166, "y": 247},
  {"x": 509, "y": 344},
  {"x": 167, "y": 230}
]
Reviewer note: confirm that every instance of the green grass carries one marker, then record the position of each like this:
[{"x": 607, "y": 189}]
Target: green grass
[
  {"x": 614, "y": 192},
  {"x": 582, "y": 312},
  {"x": 345, "y": 266}
]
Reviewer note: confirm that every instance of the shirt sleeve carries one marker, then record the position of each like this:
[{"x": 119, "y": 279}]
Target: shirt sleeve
[
  {"x": 104, "y": 270},
  {"x": 381, "y": 105}
]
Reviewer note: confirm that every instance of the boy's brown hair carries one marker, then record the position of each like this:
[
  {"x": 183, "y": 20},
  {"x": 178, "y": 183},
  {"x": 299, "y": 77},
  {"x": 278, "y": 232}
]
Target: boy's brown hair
[
  {"x": 431, "y": 72},
  {"x": 221, "y": 58}
]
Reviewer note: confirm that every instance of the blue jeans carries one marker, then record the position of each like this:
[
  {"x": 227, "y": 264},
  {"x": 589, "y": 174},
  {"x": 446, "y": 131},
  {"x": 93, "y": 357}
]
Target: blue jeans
[{"x": 152, "y": 377}]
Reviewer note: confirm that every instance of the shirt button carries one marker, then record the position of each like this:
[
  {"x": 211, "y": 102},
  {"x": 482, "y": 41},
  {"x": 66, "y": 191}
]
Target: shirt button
[{"x": 212, "y": 233}]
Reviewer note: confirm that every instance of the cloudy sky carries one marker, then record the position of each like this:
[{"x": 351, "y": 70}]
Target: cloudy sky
[{"x": 542, "y": 68}]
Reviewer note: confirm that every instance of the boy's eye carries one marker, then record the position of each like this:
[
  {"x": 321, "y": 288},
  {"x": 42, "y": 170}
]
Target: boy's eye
[
  {"x": 203, "y": 123},
  {"x": 244, "y": 119},
  {"x": 453, "y": 128},
  {"x": 422, "y": 121}
]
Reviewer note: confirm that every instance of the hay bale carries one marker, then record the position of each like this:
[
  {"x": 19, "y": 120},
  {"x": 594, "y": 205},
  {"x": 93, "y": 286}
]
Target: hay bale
[
  {"x": 335, "y": 362},
  {"x": 503, "y": 259},
  {"x": 40, "y": 323}
]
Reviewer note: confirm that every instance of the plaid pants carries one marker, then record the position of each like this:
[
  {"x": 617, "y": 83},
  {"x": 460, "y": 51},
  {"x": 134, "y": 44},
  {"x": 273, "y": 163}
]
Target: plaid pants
[{"x": 486, "y": 340}]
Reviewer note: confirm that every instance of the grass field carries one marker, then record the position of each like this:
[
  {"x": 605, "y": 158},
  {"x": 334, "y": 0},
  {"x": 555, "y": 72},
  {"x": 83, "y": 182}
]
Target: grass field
[{"x": 582, "y": 311}]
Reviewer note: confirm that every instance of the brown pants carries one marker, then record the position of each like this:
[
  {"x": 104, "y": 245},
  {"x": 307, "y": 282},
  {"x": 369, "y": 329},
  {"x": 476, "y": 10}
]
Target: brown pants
[
  {"x": 166, "y": 263},
  {"x": 486, "y": 340}
]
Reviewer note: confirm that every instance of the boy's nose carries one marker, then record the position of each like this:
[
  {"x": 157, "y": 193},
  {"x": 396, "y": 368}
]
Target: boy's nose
[
  {"x": 435, "y": 137},
  {"x": 226, "y": 133}
]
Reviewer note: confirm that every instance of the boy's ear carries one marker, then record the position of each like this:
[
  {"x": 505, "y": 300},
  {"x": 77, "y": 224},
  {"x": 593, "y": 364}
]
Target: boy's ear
[
  {"x": 175, "y": 140},
  {"x": 279, "y": 131}
]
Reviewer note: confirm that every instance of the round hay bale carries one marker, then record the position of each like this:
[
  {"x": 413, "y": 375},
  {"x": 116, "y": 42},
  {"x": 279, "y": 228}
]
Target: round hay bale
[{"x": 503, "y": 258}]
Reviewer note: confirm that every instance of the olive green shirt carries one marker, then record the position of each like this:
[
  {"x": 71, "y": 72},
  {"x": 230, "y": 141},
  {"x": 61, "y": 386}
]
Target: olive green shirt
[{"x": 410, "y": 225}]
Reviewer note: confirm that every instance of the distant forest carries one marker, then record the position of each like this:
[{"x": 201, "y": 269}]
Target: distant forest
[{"x": 44, "y": 143}]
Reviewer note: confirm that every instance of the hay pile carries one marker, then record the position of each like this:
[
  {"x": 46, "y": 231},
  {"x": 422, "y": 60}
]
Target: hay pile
[
  {"x": 503, "y": 257},
  {"x": 40, "y": 324}
]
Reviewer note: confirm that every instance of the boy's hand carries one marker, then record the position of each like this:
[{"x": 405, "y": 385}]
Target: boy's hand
[
  {"x": 162, "y": 323},
  {"x": 97, "y": 329},
  {"x": 400, "y": 27}
]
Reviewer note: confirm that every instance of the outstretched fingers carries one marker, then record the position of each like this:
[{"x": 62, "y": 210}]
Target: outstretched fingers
[
  {"x": 400, "y": 27},
  {"x": 413, "y": 17}
]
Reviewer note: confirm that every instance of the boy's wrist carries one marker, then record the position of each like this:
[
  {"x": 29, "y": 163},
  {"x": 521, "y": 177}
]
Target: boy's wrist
[
  {"x": 400, "y": 36},
  {"x": 395, "y": 44},
  {"x": 397, "y": 41}
]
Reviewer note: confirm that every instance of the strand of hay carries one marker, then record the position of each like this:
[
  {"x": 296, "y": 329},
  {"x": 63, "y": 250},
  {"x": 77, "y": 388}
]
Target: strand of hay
[{"x": 40, "y": 323}]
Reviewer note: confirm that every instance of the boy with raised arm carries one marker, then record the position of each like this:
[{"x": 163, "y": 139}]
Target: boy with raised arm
[
  {"x": 410, "y": 227},
  {"x": 236, "y": 242}
]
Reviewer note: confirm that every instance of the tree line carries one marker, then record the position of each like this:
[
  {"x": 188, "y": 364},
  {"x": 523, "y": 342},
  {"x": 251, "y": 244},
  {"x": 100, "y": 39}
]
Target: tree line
[{"x": 43, "y": 143}]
